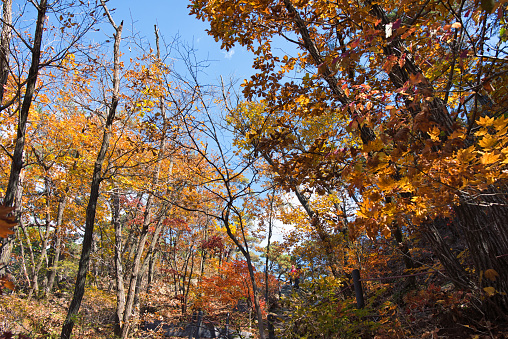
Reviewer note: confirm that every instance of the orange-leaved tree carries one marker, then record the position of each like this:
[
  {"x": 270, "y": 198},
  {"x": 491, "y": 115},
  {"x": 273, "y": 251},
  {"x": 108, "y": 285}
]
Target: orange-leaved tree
[
  {"x": 24, "y": 57},
  {"x": 415, "y": 88}
]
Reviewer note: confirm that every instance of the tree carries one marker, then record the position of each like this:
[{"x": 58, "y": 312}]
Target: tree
[
  {"x": 226, "y": 178},
  {"x": 95, "y": 184},
  {"x": 19, "y": 81},
  {"x": 405, "y": 85}
]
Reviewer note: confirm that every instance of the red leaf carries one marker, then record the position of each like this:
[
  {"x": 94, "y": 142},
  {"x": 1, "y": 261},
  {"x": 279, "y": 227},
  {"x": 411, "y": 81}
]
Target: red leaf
[{"x": 396, "y": 24}]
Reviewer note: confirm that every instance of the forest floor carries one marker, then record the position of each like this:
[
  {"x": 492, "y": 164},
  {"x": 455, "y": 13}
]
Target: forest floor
[
  {"x": 43, "y": 317},
  {"x": 428, "y": 313}
]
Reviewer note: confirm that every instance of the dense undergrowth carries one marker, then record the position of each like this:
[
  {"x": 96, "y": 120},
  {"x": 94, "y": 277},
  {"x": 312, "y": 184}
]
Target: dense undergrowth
[{"x": 392, "y": 310}]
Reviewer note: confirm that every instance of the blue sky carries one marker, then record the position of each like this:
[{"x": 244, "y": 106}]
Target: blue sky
[{"x": 173, "y": 19}]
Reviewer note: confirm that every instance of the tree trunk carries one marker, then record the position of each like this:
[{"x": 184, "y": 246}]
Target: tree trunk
[
  {"x": 135, "y": 271},
  {"x": 141, "y": 244},
  {"x": 17, "y": 157},
  {"x": 150, "y": 256},
  {"x": 95, "y": 269},
  {"x": 484, "y": 223},
  {"x": 148, "y": 261},
  {"x": 323, "y": 235},
  {"x": 58, "y": 245},
  {"x": 454, "y": 270},
  {"x": 44, "y": 252},
  {"x": 269, "y": 303},
  {"x": 257, "y": 306},
  {"x": 29, "y": 245},
  {"x": 186, "y": 284},
  {"x": 23, "y": 263},
  {"x": 5, "y": 46},
  {"x": 246, "y": 254},
  {"x": 151, "y": 268},
  {"x": 404, "y": 250},
  {"x": 8, "y": 243},
  {"x": 119, "y": 275},
  {"x": 79, "y": 289}
]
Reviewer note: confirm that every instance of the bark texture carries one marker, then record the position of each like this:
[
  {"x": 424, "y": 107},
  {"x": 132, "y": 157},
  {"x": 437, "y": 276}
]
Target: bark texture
[
  {"x": 17, "y": 156},
  {"x": 119, "y": 275},
  {"x": 5, "y": 46},
  {"x": 58, "y": 245},
  {"x": 84, "y": 260}
]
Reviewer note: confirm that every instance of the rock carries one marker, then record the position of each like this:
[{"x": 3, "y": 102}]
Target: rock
[
  {"x": 242, "y": 335},
  {"x": 207, "y": 329}
]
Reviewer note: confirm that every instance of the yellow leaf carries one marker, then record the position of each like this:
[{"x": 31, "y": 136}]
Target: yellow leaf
[
  {"x": 481, "y": 132},
  {"x": 489, "y": 158},
  {"x": 434, "y": 133},
  {"x": 485, "y": 121},
  {"x": 385, "y": 183},
  {"x": 500, "y": 123},
  {"x": 490, "y": 291},
  {"x": 491, "y": 274},
  {"x": 458, "y": 134},
  {"x": 466, "y": 155},
  {"x": 488, "y": 142}
]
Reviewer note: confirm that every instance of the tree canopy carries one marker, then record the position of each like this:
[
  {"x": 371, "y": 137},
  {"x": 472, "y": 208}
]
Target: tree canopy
[{"x": 375, "y": 134}]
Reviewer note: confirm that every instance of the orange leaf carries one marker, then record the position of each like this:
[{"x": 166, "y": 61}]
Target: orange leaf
[
  {"x": 7, "y": 221},
  {"x": 7, "y": 283}
]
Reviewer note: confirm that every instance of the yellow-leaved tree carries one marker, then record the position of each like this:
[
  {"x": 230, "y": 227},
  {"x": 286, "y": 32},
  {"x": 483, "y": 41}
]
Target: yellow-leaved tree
[{"x": 410, "y": 99}]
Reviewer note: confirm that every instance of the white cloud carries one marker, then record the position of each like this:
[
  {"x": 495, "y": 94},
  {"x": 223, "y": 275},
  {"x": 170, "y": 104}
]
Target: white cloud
[
  {"x": 229, "y": 55},
  {"x": 279, "y": 230}
]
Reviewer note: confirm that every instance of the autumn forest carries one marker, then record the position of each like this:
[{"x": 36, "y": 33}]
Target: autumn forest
[{"x": 355, "y": 186}]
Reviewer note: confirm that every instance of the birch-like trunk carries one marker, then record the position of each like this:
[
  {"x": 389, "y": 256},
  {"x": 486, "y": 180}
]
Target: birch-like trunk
[
  {"x": 119, "y": 275},
  {"x": 44, "y": 248},
  {"x": 58, "y": 245}
]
